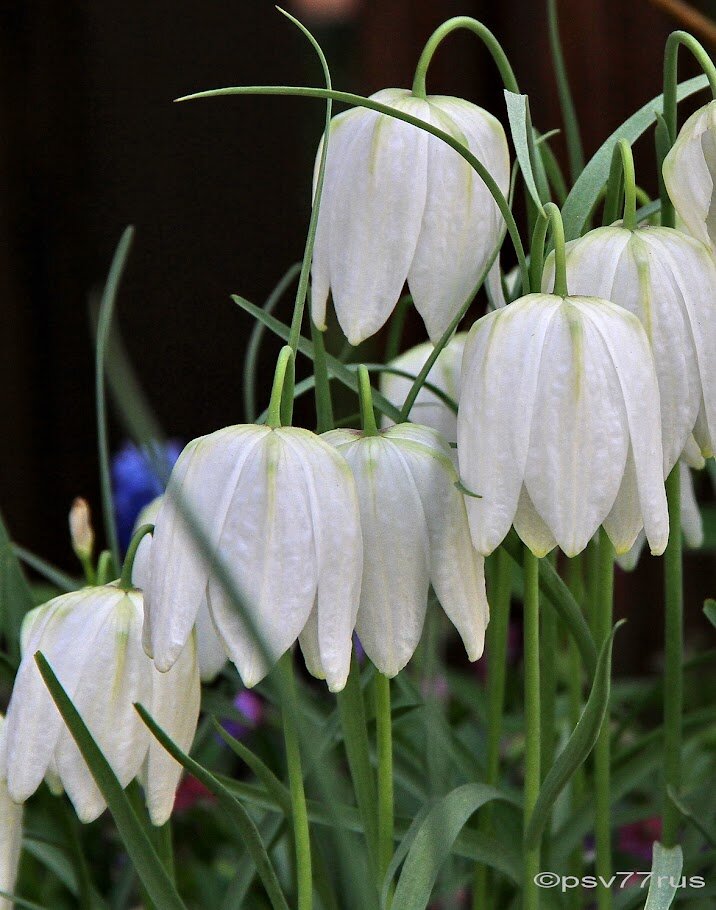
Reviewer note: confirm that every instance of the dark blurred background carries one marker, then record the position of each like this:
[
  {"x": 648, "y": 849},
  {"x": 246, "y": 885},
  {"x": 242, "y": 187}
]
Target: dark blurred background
[{"x": 219, "y": 193}]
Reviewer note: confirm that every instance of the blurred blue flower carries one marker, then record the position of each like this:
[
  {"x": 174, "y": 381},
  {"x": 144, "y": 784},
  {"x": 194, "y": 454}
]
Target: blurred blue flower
[{"x": 135, "y": 483}]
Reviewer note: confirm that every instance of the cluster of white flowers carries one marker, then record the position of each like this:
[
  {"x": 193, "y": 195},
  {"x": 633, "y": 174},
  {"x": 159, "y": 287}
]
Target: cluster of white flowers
[{"x": 571, "y": 411}]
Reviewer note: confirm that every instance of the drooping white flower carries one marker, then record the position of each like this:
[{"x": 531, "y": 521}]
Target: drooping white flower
[
  {"x": 428, "y": 409},
  {"x": 558, "y": 426},
  {"x": 279, "y": 507},
  {"x": 92, "y": 640},
  {"x": 415, "y": 533},
  {"x": 10, "y": 836},
  {"x": 692, "y": 524},
  {"x": 399, "y": 204},
  {"x": 668, "y": 280},
  {"x": 209, "y": 648},
  {"x": 690, "y": 174}
]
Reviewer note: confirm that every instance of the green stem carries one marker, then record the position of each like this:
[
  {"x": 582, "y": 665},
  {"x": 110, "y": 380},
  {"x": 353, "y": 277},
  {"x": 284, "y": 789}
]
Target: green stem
[
  {"x": 125, "y": 581},
  {"x": 497, "y": 641},
  {"x": 671, "y": 64},
  {"x": 575, "y": 583},
  {"x": 365, "y": 397},
  {"x": 552, "y": 217},
  {"x": 483, "y": 33},
  {"x": 105, "y": 568},
  {"x": 548, "y": 700},
  {"x": 395, "y": 331},
  {"x": 324, "y": 403},
  {"x": 674, "y": 655},
  {"x": 531, "y": 893},
  {"x": 575, "y": 151},
  {"x": 299, "y": 812},
  {"x": 622, "y": 175},
  {"x": 274, "y": 418},
  {"x": 384, "y": 749},
  {"x": 602, "y": 750}
]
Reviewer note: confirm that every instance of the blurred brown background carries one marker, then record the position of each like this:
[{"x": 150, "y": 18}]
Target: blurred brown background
[{"x": 218, "y": 190}]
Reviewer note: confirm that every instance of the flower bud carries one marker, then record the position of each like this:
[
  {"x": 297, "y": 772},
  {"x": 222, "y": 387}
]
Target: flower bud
[
  {"x": 278, "y": 507},
  {"x": 92, "y": 640},
  {"x": 415, "y": 534},
  {"x": 81, "y": 530},
  {"x": 399, "y": 204},
  {"x": 558, "y": 426}
]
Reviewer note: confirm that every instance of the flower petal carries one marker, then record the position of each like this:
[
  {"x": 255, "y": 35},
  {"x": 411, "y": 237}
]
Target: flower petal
[
  {"x": 461, "y": 222},
  {"x": 267, "y": 539},
  {"x": 533, "y": 532}
]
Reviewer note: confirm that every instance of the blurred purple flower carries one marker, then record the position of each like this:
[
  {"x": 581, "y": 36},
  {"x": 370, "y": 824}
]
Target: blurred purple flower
[
  {"x": 135, "y": 483},
  {"x": 637, "y": 839},
  {"x": 251, "y": 707}
]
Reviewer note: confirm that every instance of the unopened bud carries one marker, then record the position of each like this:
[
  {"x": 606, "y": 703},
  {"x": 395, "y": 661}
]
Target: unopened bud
[{"x": 81, "y": 530}]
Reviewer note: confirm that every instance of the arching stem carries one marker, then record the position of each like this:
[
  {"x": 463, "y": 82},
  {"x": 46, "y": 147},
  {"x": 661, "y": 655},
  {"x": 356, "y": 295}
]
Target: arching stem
[
  {"x": 552, "y": 218},
  {"x": 275, "y": 416},
  {"x": 483, "y": 33},
  {"x": 622, "y": 174},
  {"x": 365, "y": 396},
  {"x": 125, "y": 582},
  {"x": 671, "y": 59}
]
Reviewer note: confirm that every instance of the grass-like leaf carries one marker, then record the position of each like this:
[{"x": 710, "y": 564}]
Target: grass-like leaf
[
  {"x": 579, "y": 745},
  {"x": 15, "y": 594},
  {"x": 666, "y": 866},
  {"x": 239, "y": 817},
  {"x": 146, "y": 861}
]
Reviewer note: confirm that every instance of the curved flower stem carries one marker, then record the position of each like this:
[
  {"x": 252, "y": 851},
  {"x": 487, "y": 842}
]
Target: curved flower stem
[
  {"x": 299, "y": 812},
  {"x": 673, "y": 650},
  {"x": 530, "y": 891},
  {"x": 483, "y": 33},
  {"x": 276, "y": 415},
  {"x": 497, "y": 638},
  {"x": 324, "y": 401},
  {"x": 365, "y": 396},
  {"x": 384, "y": 744},
  {"x": 671, "y": 59},
  {"x": 552, "y": 218},
  {"x": 125, "y": 582},
  {"x": 622, "y": 174},
  {"x": 602, "y": 750}
]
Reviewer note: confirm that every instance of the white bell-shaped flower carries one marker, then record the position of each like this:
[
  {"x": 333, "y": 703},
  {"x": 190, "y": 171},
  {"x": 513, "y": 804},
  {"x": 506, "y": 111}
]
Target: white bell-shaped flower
[
  {"x": 558, "y": 426},
  {"x": 399, "y": 204},
  {"x": 428, "y": 409},
  {"x": 668, "y": 280},
  {"x": 92, "y": 639},
  {"x": 209, "y": 648},
  {"x": 690, "y": 174},
  {"x": 279, "y": 507},
  {"x": 10, "y": 836},
  {"x": 415, "y": 533}
]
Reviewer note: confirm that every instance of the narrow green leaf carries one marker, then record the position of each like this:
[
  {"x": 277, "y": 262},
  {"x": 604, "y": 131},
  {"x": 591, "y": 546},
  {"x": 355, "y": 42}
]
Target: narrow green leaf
[
  {"x": 434, "y": 840},
  {"x": 16, "y": 901},
  {"x": 51, "y": 573},
  {"x": 666, "y": 866},
  {"x": 262, "y": 771},
  {"x": 518, "y": 113},
  {"x": 569, "y": 114},
  {"x": 341, "y": 372},
  {"x": 694, "y": 817},
  {"x": 579, "y": 745},
  {"x": 106, "y": 312},
  {"x": 593, "y": 178},
  {"x": 139, "y": 847},
  {"x": 240, "y": 818},
  {"x": 560, "y": 598},
  {"x": 401, "y": 851},
  {"x": 270, "y": 829},
  {"x": 15, "y": 594},
  {"x": 710, "y": 610}
]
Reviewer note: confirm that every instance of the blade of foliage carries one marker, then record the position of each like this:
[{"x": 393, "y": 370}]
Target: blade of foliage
[
  {"x": 693, "y": 816},
  {"x": 148, "y": 865},
  {"x": 254, "y": 345},
  {"x": 710, "y": 610},
  {"x": 16, "y": 901},
  {"x": 341, "y": 372},
  {"x": 433, "y": 843},
  {"x": 401, "y": 851},
  {"x": 236, "y": 812},
  {"x": 51, "y": 573},
  {"x": 579, "y": 745},
  {"x": 15, "y": 594},
  {"x": 575, "y": 151},
  {"x": 591, "y": 182},
  {"x": 666, "y": 866},
  {"x": 518, "y": 113},
  {"x": 559, "y": 597},
  {"x": 269, "y": 829},
  {"x": 262, "y": 771},
  {"x": 106, "y": 311}
]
